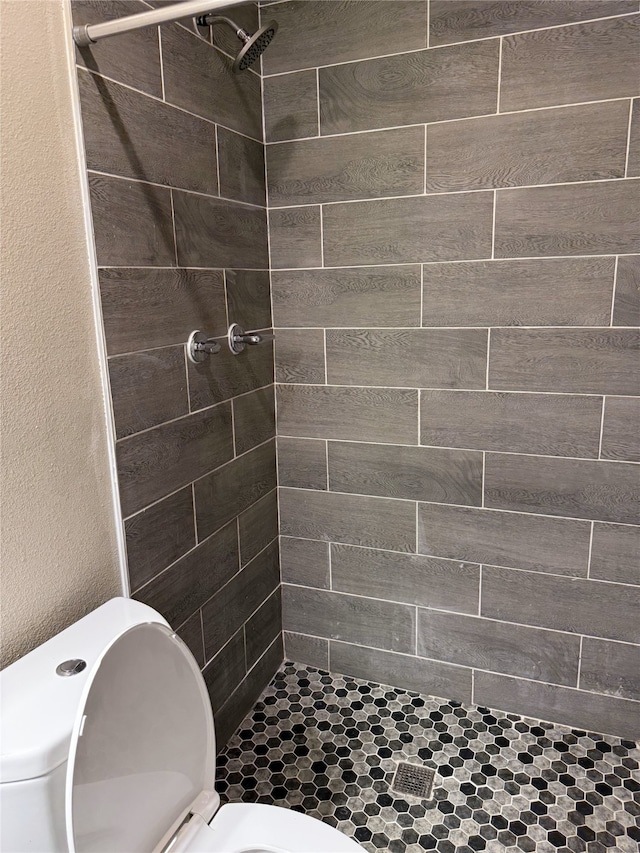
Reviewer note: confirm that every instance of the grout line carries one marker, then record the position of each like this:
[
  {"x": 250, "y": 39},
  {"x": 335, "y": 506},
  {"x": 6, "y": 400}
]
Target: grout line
[
  {"x": 417, "y": 527},
  {"x": 411, "y": 605},
  {"x": 244, "y": 643},
  {"x": 453, "y": 44},
  {"x": 225, "y": 289},
  {"x": 428, "y": 23},
  {"x": 493, "y": 225},
  {"x": 626, "y": 159},
  {"x": 204, "y": 654},
  {"x": 443, "y": 121},
  {"x": 473, "y": 686},
  {"x": 425, "y": 160},
  {"x": 415, "y": 631},
  {"x": 486, "y": 380},
  {"x": 186, "y": 375},
  {"x": 159, "y": 30},
  {"x": 457, "y": 391},
  {"x": 237, "y": 521},
  {"x": 195, "y": 515},
  {"x": 579, "y": 673},
  {"x": 217, "y": 143},
  {"x": 169, "y": 103},
  {"x": 173, "y": 226},
  {"x": 233, "y": 430},
  {"x": 317, "y": 100},
  {"x": 324, "y": 345},
  {"x": 419, "y": 442},
  {"x": 499, "y": 74},
  {"x": 438, "y": 194},
  {"x": 321, "y": 234},
  {"x": 326, "y": 461},
  {"x": 484, "y": 466},
  {"x": 601, "y": 429},
  {"x": 591, "y": 531},
  {"x": 480, "y": 590},
  {"x": 436, "y": 447},
  {"x": 330, "y": 566},
  {"x": 615, "y": 286},
  {"x": 421, "y": 296}
]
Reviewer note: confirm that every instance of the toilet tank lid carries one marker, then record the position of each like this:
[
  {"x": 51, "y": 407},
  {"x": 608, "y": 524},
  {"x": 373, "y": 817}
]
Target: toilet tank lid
[{"x": 38, "y": 707}]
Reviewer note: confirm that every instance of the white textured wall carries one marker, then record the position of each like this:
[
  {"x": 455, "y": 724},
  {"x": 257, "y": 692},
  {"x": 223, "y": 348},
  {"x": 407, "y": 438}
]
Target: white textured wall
[{"x": 58, "y": 544}]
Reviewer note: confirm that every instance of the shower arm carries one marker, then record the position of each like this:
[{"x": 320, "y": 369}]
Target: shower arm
[{"x": 88, "y": 34}]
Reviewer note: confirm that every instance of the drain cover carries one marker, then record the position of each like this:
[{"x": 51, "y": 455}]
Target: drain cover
[{"x": 413, "y": 780}]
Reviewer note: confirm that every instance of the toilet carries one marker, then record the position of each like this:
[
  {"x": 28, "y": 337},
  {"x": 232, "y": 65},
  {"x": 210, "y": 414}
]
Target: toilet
[{"x": 107, "y": 744}]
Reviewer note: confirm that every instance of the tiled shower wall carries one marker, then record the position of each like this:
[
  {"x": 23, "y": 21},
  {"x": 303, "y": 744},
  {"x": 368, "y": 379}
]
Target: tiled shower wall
[
  {"x": 176, "y": 172},
  {"x": 454, "y": 215}
]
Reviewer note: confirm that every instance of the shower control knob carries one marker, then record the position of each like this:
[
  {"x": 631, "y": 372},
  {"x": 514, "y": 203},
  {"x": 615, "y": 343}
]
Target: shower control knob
[
  {"x": 238, "y": 339},
  {"x": 71, "y": 667},
  {"x": 199, "y": 346}
]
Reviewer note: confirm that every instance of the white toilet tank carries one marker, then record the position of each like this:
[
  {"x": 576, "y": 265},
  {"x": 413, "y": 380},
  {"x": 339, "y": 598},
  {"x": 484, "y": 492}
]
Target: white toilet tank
[{"x": 39, "y": 707}]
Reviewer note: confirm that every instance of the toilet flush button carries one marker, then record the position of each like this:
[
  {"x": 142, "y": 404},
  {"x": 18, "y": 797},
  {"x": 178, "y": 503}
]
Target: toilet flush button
[{"x": 71, "y": 667}]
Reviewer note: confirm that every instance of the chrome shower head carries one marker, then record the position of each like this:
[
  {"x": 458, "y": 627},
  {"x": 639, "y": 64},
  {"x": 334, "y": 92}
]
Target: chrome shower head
[{"x": 252, "y": 45}]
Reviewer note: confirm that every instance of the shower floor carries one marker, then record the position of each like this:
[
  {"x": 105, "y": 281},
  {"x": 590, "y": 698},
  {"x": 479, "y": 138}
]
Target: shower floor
[{"x": 328, "y": 745}]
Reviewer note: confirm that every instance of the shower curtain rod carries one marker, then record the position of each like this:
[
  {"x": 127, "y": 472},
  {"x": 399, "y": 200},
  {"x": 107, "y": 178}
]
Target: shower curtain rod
[{"x": 88, "y": 34}]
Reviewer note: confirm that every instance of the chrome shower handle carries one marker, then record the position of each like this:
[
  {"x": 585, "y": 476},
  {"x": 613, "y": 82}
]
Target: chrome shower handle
[
  {"x": 238, "y": 338},
  {"x": 199, "y": 346}
]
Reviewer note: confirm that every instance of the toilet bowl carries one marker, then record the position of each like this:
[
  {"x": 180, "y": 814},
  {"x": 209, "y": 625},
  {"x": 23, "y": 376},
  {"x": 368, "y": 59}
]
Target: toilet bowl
[{"x": 107, "y": 745}]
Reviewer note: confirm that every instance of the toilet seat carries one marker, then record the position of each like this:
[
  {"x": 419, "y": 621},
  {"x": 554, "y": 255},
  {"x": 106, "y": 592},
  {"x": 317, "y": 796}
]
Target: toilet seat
[
  {"x": 257, "y": 828},
  {"x": 141, "y": 766}
]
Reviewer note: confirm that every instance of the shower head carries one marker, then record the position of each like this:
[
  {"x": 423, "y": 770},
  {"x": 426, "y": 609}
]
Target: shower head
[{"x": 252, "y": 45}]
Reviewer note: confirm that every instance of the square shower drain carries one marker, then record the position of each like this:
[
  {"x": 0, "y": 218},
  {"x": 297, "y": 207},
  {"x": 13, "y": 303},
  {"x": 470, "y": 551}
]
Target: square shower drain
[{"x": 413, "y": 780}]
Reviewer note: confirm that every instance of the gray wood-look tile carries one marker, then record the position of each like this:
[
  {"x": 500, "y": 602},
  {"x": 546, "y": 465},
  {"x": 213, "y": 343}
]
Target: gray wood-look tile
[
  {"x": 302, "y": 463},
  {"x": 224, "y": 375},
  {"x": 572, "y": 707},
  {"x": 148, "y": 388},
  {"x": 424, "y": 581},
  {"x": 551, "y": 424},
  {"x": 300, "y": 356},
  {"x": 132, "y": 58},
  {"x": 412, "y": 473},
  {"x": 244, "y": 697},
  {"x": 583, "y": 143},
  {"x": 235, "y": 602},
  {"x": 254, "y": 418},
  {"x": 352, "y": 519},
  {"x": 226, "y": 670},
  {"x": 587, "y": 62},
  {"x": 626, "y": 308},
  {"x": 427, "y": 86},
  {"x": 462, "y": 20},
  {"x": 181, "y": 589},
  {"x": 131, "y": 223},
  {"x": 362, "y": 414},
  {"x": 248, "y": 298},
  {"x": 128, "y": 134},
  {"x": 530, "y": 292},
  {"x": 305, "y": 562},
  {"x": 508, "y": 649},
  {"x": 369, "y": 165},
  {"x": 573, "y": 219},
  {"x": 367, "y": 296},
  {"x": 263, "y": 627},
  {"x": 615, "y": 553},
  {"x": 313, "y": 651},
  {"x": 295, "y": 236},
  {"x": 406, "y": 671},
  {"x": 212, "y": 232},
  {"x": 190, "y": 632},
  {"x": 218, "y": 496},
  {"x": 408, "y": 230},
  {"x": 581, "y": 361},
  {"x": 612, "y": 668},
  {"x": 633, "y": 164},
  {"x": 313, "y": 32},
  {"x": 291, "y": 106},
  {"x": 604, "y": 491},
  {"x": 559, "y": 546},
  {"x": 159, "y": 535},
  {"x": 621, "y": 429},
  {"x": 352, "y": 618},
  {"x": 154, "y": 463},
  {"x": 148, "y": 308},
  {"x": 241, "y": 168},
  {"x": 258, "y": 526},
  {"x": 198, "y": 78},
  {"x": 541, "y": 600},
  {"x": 428, "y": 358}
]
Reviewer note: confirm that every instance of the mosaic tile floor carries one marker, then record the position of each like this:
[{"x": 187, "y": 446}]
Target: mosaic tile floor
[{"x": 328, "y": 746}]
